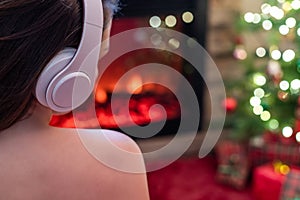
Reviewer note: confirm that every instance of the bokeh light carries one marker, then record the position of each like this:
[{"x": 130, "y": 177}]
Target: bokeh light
[
  {"x": 298, "y": 136},
  {"x": 284, "y": 30},
  {"x": 265, "y": 8},
  {"x": 267, "y": 25},
  {"x": 155, "y": 21},
  {"x": 255, "y": 101},
  {"x": 171, "y": 21},
  {"x": 187, "y": 17},
  {"x": 259, "y": 79},
  {"x": 259, "y": 92},
  {"x": 288, "y": 55},
  {"x": 284, "y": 85},
  {"x": 249, "y": 17},
  {"x": 291, "y": 22},
  {"x": 295, "y": 4},
  {"x": 265, "y": 116},
  {"x": 261, "y": 52},
  {"x": 274, "y": 124},
  {"x": 276, "y": 12},
  {"x": 276, "y": 54},
  {"x": 287, "y": 131},
  {"x": 258, "y": 110}
]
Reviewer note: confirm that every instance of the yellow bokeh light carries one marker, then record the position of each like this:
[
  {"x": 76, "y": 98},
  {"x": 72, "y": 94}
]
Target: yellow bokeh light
[
  {"x": 265, "y": 116},
  {"x": 187, "y": 17},
  {"x": 284, "y": 169},
  {"x": 259, "y": 79},
  {"x": 171, "y": 21}
]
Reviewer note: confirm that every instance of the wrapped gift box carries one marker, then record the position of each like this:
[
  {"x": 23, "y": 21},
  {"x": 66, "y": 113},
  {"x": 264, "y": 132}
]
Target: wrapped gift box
[
  {"x": 267, "y": 183},
  {"x": 233, "y": 165},
  {"x": 291, "y": 186},
  {"x": 276, "y": 181},
  {"x": 267, "y": 149}
]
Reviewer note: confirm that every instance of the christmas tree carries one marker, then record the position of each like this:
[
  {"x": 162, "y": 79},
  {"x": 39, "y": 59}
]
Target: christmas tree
[{"x": 266, "y": 98}]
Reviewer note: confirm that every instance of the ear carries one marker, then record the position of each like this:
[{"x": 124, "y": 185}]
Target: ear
[{"x": 105, "y": 39}]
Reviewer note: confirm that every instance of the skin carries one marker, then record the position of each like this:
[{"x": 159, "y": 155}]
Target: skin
[{"x": 41, "y": 162}]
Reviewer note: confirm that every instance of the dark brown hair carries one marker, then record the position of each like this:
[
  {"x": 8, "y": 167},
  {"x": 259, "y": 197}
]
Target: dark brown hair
[{"x": 31, "y": 33}]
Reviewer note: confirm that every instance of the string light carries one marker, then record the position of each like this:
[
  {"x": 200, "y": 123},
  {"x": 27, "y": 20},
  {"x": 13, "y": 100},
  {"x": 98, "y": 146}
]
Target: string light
[
  {"x": 298, "y": 137},
  {"x": 240, "y": 53},
  {"x": 273, "y": 124},
  {"x": 295, "y": 4},
  {"x": 249, "y": 17},
  {"x": 284, "y": 85},
  {"x": 155, "y": 22},
  {"x": 276, "y": 54},
  {"x": 281, "y": 168},
  {"x": 258, "y": 110},
  {"x": 284, "y": 169},
  {"x": 265, "y": 116},
  {"x": 287, "y": 131},
  {"x": 267, "y": 25},
  {"x": 256, "y": 18},
  {"x": 288, "y": 55},
  {"x": 255, "y": 101},
  {"x": 284, "y": 30},
  {"x": 261, "y": 52},
  {"x": 295, "y": 84},
  {"x": 259, "y": 92},
  {"x": 283, "y": 96},
  {"x": 259, "y": 79},
  {"x": 187, "y": 17},
  {"x": 287, "y": 6},
  {"x": 291, "y": 22},
  {"x": 171, "y": 21},
  {"x": 276, "y": 12},
  {"x": 265, "y": 8}
]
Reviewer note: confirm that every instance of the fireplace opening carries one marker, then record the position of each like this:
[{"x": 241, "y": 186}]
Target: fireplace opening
[{"x": 143, "y": 96}]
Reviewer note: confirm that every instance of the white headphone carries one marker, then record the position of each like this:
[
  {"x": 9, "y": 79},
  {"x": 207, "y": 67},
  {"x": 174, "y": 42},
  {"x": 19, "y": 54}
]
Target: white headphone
[{"x": 69, "y": 78}]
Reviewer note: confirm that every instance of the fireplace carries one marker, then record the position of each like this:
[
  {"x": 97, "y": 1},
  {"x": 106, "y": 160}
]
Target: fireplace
[{"x": 188, "y": 17}]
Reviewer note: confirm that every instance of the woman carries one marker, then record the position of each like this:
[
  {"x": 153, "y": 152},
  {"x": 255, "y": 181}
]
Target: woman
[{"x": 38, "y": 161}]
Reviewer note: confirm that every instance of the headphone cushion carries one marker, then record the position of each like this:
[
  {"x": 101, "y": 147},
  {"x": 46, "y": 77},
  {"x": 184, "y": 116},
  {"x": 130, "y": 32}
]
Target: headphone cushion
[
  {"x": 69, "y": 92},
  {"x": 57, "y": 64}
]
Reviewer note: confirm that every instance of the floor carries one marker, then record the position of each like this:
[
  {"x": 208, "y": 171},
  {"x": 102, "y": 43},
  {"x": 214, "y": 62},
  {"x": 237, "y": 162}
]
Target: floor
[{"x": 191, "y": 178}]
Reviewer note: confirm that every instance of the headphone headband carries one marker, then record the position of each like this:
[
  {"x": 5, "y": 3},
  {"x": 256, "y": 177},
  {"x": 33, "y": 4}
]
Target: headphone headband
[{"x": 92, "y": 30}]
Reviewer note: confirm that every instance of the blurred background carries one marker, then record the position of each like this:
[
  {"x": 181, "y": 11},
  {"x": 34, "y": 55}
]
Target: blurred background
[{"x": 255, "y": 45}]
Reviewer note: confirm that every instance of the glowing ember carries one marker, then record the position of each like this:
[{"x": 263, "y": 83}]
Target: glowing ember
[
  {"x": 100, "y": 95},
  {"x": 135, "y": 85},
  {"x": 139, "y": 106}
]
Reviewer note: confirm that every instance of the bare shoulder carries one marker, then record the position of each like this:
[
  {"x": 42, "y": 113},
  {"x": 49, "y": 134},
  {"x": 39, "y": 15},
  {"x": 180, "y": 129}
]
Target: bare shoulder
[
  {"x": 72, "y": 164},
  {"x": 113, "y": 148},
  {"x": 121, "y": 159},
  {"x": 106, "y": 138}
]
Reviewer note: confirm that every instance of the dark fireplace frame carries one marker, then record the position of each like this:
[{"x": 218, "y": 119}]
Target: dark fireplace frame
[
  {"x": 196, "y": 29},
  {"x": 143, "y": 8}
]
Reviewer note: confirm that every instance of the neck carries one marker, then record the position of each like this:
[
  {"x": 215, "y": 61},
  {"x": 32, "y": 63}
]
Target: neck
[
  {"x": 38, "y": 118},
  {"x": 41, "y": 114}
]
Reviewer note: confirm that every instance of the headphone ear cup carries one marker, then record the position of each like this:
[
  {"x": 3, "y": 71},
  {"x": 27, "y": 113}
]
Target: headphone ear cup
[
  {"x": 57, "y": 64},
  {"x": 68, "y": 91}
]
